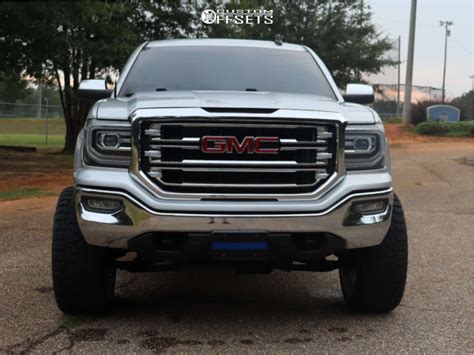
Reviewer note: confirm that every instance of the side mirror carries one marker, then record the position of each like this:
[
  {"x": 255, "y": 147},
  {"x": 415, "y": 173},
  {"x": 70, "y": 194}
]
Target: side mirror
[
  {"x": 359, "y": 93},
  {"x": 94, "y": 89}
]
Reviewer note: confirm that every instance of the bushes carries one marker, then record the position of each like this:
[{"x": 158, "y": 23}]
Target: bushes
[
  {"x": 464, "y": 128},
  {"x": 440, "y": 128},
  {"x": 433, "y": 128}
]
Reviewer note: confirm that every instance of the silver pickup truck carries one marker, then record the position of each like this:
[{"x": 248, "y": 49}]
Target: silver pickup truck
[{"x": 229, "y": 153}]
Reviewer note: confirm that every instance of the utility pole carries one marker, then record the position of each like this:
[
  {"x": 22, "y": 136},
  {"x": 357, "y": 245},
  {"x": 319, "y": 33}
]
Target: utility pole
[
  {"x": 46, "y": 120},
  {"x": 40, "y": 100},
  {"x": 472, "y": 77},
  {"x": 447, "y": 33},
  {"x": 409, "y": 74},
  {"x": 398, "y": 75}
]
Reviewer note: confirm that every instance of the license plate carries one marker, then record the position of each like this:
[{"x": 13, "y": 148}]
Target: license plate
[{"x": 239, "y": 245}]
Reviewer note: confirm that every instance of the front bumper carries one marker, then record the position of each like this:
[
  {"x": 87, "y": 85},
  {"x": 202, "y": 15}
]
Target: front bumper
[{"x": 135, "y": 218}]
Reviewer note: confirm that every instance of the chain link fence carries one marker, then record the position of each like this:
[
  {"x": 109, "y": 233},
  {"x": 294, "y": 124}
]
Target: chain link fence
[
  {"x": 386, "y": 98},
  {"x": 17, "y": 110},
  {"x": 27, "y": 124}
]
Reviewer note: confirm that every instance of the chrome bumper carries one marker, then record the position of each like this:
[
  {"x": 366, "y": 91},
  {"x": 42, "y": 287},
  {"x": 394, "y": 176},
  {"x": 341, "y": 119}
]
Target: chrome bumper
[{"x": 134, "y": 218}]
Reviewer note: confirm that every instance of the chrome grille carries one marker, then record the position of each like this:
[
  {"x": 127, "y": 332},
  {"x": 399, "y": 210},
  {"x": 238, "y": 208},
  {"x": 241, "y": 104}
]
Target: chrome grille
[{"x": 171, "y": 156}]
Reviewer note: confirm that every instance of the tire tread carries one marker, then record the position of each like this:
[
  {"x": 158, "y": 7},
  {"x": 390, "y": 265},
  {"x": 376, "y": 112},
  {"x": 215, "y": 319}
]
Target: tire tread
[
  {"x": 381, "y": 270},
  {"x": 79, "y": 269}
]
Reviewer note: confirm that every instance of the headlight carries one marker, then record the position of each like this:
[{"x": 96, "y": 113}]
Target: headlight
[
  {"x": 364, "y": 149},
  {"x": 108, "y": 146}
]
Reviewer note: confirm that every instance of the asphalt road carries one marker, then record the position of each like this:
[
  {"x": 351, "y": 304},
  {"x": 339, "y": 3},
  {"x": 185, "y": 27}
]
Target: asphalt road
[{"x": 281, "y": 312}]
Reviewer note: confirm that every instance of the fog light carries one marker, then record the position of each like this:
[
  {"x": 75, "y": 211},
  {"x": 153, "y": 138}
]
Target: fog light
[
  {"x": 370, "y": 207},
  {"x": 103, "y": 204}
]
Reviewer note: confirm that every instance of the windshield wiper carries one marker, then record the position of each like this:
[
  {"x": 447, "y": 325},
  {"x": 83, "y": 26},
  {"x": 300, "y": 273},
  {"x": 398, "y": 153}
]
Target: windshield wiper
[
  {"x": 251, "y": 89},
  {"x": 161, "y": 89}
]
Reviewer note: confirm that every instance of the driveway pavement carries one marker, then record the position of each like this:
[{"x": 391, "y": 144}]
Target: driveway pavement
[{"x": 281, "y": 312}]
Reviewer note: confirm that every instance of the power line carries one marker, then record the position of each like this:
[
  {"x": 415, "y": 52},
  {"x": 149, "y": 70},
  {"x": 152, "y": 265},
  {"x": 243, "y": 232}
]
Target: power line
[
  {"x": 405, "y": 22},
  {"x": 427, "y": 25},
  {"x": 462, "y": 46},
  {"x": 463, "y": 28}
]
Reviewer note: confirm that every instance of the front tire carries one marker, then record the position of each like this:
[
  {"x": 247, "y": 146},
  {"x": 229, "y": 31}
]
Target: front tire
[
  {"x": 373, "y": 279},
  {"x": 83, "y": 275}
]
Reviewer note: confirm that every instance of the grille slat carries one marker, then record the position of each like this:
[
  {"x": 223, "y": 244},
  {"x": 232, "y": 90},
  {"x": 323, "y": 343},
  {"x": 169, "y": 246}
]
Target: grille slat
[
  {"x": 265, "y": 170},
  {"x": 227, "y": 163},
  {"x": 172, "y": 157},
  {"x": 236, "y": 186}
]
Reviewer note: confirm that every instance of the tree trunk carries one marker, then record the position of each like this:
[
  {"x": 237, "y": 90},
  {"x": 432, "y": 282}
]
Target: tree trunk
[
  {"x": 74, "y": 109},
  {"x": 70, "y": 140},
  {"x": 79, "y": 109}
]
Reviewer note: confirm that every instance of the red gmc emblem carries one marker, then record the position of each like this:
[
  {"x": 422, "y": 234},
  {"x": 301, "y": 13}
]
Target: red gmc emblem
[{"x": 229, "y": 144}]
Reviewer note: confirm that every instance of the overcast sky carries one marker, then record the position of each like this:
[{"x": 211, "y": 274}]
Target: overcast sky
[{"x": 392, "y": 17}]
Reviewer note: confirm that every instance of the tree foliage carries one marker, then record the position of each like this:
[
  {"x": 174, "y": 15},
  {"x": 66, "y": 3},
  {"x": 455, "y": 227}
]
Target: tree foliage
[
  {"x": 465, "y": 103},
  {"x": 13, "y": 88},
  {"x": 340, "y": 31}
]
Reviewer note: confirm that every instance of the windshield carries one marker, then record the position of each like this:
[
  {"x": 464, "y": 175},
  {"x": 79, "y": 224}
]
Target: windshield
[{"x": 226, "y": 68}]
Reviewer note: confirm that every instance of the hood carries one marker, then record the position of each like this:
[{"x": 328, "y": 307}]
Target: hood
[{"x": 122, "y": 108}]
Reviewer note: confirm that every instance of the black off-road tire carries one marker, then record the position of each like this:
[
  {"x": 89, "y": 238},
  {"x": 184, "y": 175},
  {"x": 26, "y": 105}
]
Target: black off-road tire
[
  {"x": 83, "y": 275},
  {"x": 373, "y": 279}
]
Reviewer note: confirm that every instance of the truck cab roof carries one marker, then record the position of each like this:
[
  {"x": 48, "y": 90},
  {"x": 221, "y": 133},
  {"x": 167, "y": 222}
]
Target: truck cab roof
[{"x": 225, "y": 43}]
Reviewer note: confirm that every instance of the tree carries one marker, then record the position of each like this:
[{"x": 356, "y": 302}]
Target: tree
[
  {"x": 465, "y": 103},
  {"x": 67, "y": 42},
  {"x": 13, "y": 88},
  {"x": 341, "y": 32}
]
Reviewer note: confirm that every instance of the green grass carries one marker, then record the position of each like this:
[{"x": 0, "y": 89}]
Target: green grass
[
  {"x": 31, "y": 131},
  {"x": 25, "y": 192},
  {"x": 23, "y": 139},
  {"x": 32, "y": 125}
]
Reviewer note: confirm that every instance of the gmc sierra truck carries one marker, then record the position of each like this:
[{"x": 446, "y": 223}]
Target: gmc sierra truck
[{"x": 229, "y": 153}]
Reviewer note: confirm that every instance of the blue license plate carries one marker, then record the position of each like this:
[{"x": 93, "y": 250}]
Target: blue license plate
[{"x": 239, "y": 245}]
